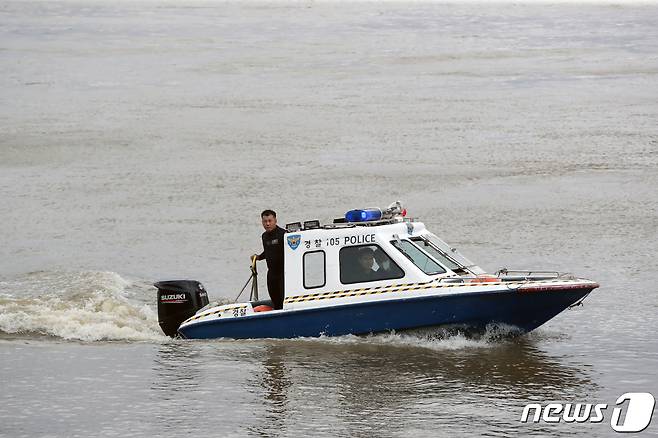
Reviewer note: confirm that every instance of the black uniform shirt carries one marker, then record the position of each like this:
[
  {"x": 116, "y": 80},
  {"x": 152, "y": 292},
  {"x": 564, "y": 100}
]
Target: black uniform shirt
[{"x": 273, "y": 250}]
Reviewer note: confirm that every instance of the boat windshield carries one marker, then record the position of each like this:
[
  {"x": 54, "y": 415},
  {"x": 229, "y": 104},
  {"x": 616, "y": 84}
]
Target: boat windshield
[
  {"x": 437, "y": 254},
  {"x": 455, "y": 255},
  {"x": 418, "y": 257}
]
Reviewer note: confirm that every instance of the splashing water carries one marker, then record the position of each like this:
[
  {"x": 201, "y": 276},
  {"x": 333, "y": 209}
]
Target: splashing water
[
  {"x": 450, "y": 337},
  {"x": 86, "y": 306},
  {"x": 454, "y": 337}
]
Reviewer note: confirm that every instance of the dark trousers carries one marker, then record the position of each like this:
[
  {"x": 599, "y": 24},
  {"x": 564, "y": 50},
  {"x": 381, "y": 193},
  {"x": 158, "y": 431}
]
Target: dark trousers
[{"x": 275, "y": 288}]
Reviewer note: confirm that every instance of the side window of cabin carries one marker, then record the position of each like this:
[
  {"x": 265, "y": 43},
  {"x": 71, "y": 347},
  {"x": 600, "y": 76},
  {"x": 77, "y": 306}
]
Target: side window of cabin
[
  {"x": 364, "y": 263},
  {"x": 314, "y": 269},
  {"x": 418, "y": 258}
]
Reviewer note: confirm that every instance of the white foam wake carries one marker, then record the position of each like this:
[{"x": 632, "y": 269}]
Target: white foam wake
[
  {"x": 87, "y": 306},
  {"x": 450, "y": 338},
  {"x": 435, "y": 338}
]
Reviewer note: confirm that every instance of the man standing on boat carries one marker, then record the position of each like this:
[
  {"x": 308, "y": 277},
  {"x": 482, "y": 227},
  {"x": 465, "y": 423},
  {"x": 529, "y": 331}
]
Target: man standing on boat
[{"x": 273, "y": 254}]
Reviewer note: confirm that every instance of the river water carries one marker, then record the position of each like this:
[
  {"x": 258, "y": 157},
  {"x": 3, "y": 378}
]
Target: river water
[{"x": 139, "y": 141}]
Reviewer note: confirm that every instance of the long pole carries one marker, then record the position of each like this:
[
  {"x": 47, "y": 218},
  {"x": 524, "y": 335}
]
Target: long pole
[
  {"x": 254, "y": 284},
  {"x": 243, "y": 288}
]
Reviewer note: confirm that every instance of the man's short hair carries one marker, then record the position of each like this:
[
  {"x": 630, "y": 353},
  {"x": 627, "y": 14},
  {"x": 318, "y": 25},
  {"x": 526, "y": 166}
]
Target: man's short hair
[{"x": 268, "y": 213}]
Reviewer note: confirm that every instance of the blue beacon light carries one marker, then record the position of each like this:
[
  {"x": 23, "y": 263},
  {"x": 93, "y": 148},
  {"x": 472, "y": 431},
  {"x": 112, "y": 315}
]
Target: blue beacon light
[{"x": 365, "y": 215}]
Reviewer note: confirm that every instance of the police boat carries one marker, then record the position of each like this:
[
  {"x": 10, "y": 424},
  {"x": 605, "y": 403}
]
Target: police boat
[{"x": 372, "y": 271}]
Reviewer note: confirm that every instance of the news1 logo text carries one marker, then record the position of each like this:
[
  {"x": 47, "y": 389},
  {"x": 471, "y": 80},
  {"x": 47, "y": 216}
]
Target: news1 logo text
[{"x": 632, "y": 412}]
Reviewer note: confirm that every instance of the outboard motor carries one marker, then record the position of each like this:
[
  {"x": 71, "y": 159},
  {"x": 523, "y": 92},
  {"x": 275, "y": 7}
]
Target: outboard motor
[{"x": 177, "y": 301}]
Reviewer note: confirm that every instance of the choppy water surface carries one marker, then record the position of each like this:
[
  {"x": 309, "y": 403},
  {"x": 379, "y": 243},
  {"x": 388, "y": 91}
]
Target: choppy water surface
[{"x": 140, "y": 140}]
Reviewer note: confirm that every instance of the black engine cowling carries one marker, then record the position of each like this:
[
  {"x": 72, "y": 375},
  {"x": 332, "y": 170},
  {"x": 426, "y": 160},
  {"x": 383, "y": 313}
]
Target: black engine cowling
[{"x": 177, "y": 301}]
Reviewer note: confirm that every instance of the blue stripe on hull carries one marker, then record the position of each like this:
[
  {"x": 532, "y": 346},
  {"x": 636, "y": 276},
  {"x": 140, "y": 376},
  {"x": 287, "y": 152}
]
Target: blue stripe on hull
[{"x": 526, "y": 311}]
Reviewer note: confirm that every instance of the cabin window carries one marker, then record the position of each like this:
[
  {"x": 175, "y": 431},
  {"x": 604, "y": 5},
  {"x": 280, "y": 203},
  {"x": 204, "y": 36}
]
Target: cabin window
[
  {"x": 437, "y": 254},
  {"x": 314, "y": 269},
  {"x": 364, "y": 263},
  {"x": 418, "y": 257}
]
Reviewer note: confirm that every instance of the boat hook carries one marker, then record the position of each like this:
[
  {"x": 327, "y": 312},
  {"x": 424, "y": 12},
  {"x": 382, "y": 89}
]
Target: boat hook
[{"x": 254, "y": 284}]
